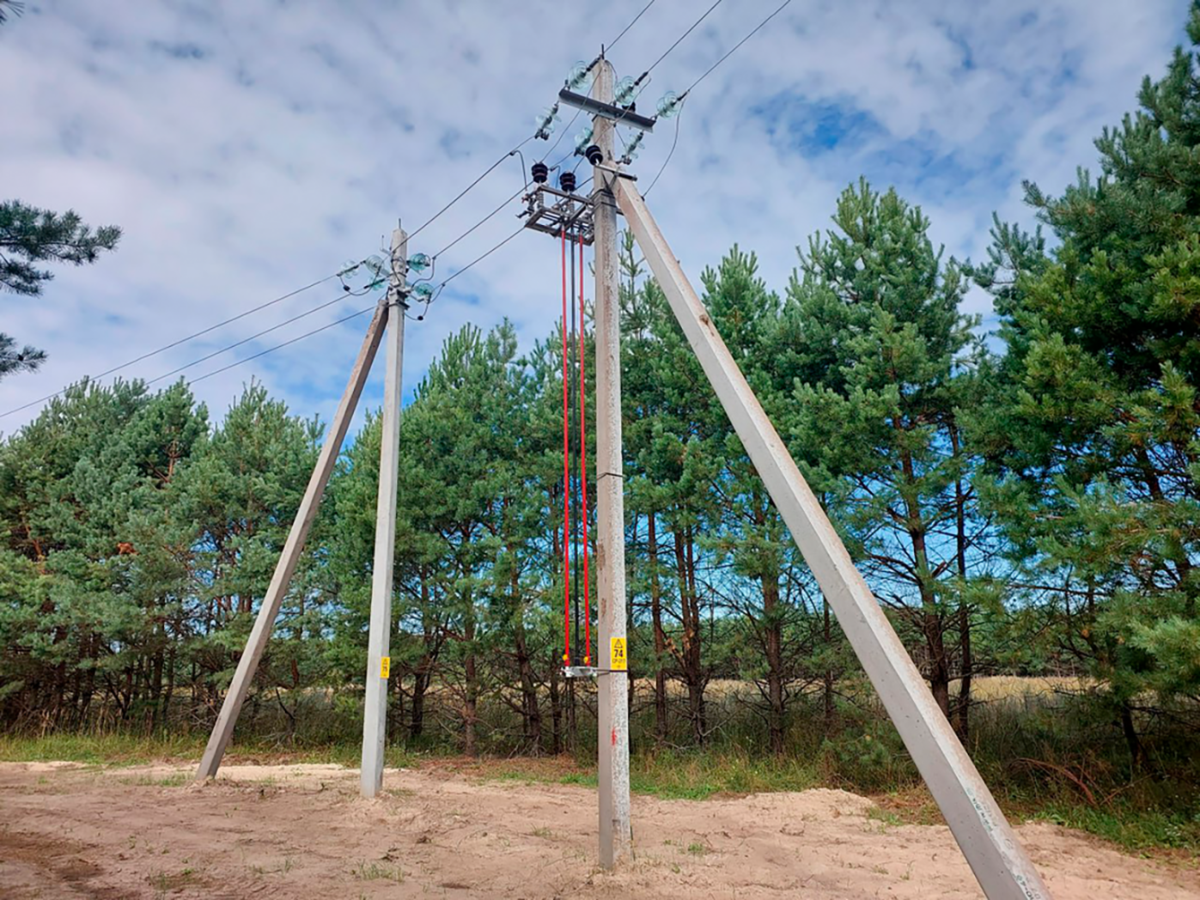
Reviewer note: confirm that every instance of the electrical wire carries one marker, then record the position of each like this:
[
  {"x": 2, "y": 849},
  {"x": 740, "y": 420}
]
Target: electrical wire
[
  {"x": 735, "y": 47},
  {"x": 338, "y": 299},
  {"x": 294, "y": 340},
  {"x": 479, "y": 223},
  {"x": 472, "y": 263},
  {"x": 683, "y": 97},
  {"x": 486, "y": 172},
  {"x": 613, "y": 42},
  {"x": 176, "y": 343},
  {"x": 309, "y": 334},
  {"x": 674, "y": 144},
  {"x": 679, "y": 40},
  {"x": 513, "y": 152}
]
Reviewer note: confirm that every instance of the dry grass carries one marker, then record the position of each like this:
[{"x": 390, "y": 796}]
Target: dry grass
[
  {"x": 1003, "y": 687},
  {"x": 988, "y": 687}
]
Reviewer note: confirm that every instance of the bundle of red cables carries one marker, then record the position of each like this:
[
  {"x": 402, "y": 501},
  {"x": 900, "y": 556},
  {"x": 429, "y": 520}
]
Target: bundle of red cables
[{"x": 570, "y": 372}]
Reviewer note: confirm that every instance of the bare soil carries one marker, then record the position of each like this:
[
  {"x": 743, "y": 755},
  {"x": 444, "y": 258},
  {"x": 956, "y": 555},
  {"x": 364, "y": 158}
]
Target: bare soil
[{"x": 301, "y": 831}]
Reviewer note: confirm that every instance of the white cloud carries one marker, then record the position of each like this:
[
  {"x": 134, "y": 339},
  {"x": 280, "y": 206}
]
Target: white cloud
[{"x": 249, "y": 147}]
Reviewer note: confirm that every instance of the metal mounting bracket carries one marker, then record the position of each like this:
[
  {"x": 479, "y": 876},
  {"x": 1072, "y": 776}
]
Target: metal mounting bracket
[
  {"x": 607, "y": 110},
  {"x": 587, "y": 671},
  {"x": 554, "y": 212}
]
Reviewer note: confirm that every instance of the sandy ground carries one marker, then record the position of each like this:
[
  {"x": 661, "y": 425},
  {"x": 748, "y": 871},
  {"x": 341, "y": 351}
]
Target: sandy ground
[{"x": 302, "y": 832}]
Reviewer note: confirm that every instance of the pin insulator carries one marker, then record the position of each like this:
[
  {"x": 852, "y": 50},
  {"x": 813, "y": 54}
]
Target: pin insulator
[
  {"x": 540, "y": 172},
  {"x": 594, "y": 155},
  {"x": 567, "y": 182}
]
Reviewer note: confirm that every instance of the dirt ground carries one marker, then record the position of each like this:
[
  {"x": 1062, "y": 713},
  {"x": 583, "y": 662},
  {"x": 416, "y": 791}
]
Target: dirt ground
[{"x": 301, "y": 831}]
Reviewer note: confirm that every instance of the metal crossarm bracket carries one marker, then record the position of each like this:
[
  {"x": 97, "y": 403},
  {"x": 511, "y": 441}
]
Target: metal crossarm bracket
[
  {"x": 607, "y": 110},
  {"x": 554, "y": 212}
]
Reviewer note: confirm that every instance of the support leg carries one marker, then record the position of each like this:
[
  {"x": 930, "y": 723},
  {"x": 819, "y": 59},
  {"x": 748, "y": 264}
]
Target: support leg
[
  {"x": 261, "y": 633},
  {"x": 999, "y": 862}
]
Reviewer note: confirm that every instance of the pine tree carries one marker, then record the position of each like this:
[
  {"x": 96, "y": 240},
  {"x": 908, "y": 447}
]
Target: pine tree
[
  {"x": 11, "y": 7},
  {"x": 1094, "y": 432},
  {"x": 873, "y": 335},
  {"x": 28, "y": 236}
]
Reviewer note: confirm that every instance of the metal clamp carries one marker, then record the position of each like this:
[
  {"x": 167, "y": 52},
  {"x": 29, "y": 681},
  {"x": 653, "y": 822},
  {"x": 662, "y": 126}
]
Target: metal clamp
[{"x": 587, "y": 671}]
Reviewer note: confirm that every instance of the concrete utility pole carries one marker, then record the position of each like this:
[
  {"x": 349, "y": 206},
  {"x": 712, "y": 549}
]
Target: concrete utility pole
[
  {"x": 379, "y": 637},
  {"x": 261, "y": 633},
  {"x": 613, "y": 687},
  {"x": 999, "y": 862}
]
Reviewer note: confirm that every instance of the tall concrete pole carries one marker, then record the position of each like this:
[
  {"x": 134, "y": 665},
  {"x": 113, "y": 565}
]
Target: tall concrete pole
[
  {"x": 380, "y": 628},
  {"x": 999, "y": 862},
  {"x": 615, "y": 832},
  {"x": 292, "y": 548}
]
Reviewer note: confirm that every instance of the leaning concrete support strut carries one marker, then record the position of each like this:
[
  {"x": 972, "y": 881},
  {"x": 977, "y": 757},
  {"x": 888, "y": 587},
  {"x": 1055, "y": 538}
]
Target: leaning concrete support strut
[
  {"x": 292, "y": 548},
  {"x": 999, "y": 862}
]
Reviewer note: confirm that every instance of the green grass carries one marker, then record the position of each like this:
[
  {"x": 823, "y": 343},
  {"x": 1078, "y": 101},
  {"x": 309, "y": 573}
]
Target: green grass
[
  {"x": 107, "y": 749},
  {"x": 373, "y": 872},
  {"x": 177, "y": 779},
  {"x": 1134, "y": 829},
  {"x": 700, "y": 775},
  {"x": 118, "y": 749}
]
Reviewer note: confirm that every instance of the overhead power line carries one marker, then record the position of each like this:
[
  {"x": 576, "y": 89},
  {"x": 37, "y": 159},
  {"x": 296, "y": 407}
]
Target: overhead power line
[
  {"x": 509, "y": 200},
  {"x": 308, "y": 312},
  {"x": 679, "y": 40},
  {"x": 633, "y": 22},
  {"x": 486, "y": 172},
  {"x": 297, "y": 339},
  {"x": 670, "y": 153},
  {"x": 478, "y": 259},
  {"x": 176, "y": 343},
  {"x": 683, "y": 97},
  {"x": 735, "y": 47},
  {"x": 183, "y": 340}
]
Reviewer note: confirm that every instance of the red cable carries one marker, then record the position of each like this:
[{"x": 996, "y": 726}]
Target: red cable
[
  {"x": 587, "y": 618},
  {"x": 566, "y": 473}
]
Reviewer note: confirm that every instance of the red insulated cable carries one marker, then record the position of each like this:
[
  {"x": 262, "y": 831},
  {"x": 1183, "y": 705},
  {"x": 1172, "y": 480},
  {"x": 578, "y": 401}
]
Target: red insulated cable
[
  {"x": 566, "y": 472},
  {"x": 587, "y": 619}
]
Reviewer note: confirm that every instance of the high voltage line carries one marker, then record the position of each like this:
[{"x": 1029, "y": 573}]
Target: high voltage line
[
  {"x": 307, "y": 334},
  {"x": 269, "y": 303},
  {"x": 486, "y": 172},
  {"x": 182, "y": 340},
  {"x": 308, "y": 312},
  {"x": 471, "y": 186},
  {"x": 633, "y": 22},
  {"x": 683, "y": 97},
  {"x": 735, "y": 47},
  {"x": 679, "y": 39}
]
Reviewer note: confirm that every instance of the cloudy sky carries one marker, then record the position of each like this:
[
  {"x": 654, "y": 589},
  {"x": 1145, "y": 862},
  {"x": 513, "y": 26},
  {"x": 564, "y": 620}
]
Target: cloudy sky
[{"x": 249, "y": 147}]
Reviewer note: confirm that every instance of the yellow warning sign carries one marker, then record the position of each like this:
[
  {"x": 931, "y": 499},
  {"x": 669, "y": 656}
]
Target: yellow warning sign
[
  {"x": 617, "y": 659},
  {"x": 385, "y": 666}
]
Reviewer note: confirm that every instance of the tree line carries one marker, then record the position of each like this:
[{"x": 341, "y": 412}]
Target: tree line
[{"x": 1024, "y": 501}]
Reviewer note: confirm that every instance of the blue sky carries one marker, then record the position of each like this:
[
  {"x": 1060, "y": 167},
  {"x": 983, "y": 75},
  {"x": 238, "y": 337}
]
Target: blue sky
[{"x": 248, "y": 147}]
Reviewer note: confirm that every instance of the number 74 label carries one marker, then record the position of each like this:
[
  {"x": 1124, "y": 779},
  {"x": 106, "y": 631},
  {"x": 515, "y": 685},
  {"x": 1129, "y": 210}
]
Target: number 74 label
[{"x": 617, "y": 659}]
